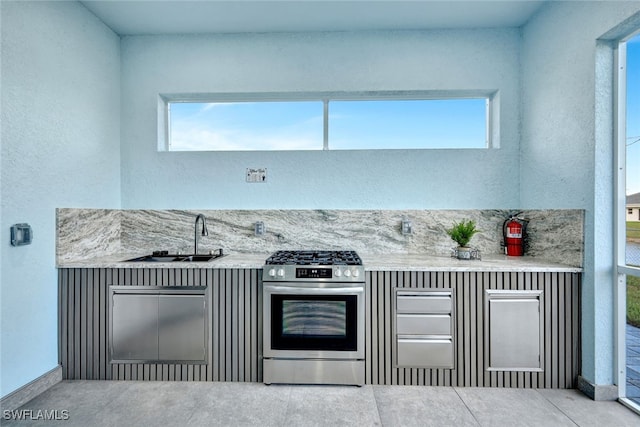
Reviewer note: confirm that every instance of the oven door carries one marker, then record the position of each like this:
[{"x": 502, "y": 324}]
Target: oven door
[{"x": 318, "y": 322}]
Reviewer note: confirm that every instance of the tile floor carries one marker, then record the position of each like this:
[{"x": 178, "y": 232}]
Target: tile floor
[
  {"x": 633, "y": 363},
  {"x": 120, "y": 403}
]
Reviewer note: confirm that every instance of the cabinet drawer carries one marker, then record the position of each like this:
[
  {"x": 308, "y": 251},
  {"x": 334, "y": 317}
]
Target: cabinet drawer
[
  {"x": 423, "y": 324},
  {"x": 427, "y": 303},
  {"x": 425, "y": 353}
]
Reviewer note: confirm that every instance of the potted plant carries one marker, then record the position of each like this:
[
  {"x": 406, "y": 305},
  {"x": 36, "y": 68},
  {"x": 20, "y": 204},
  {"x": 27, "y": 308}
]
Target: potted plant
[{"x": 461, "y": 233}]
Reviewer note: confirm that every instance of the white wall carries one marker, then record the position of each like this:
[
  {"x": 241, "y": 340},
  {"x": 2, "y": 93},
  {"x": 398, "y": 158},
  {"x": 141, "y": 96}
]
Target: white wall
[
  {"x": 567, "y": 152},
  {"x": 430, "y": 60},
  {"x": 60, "y": 147}
]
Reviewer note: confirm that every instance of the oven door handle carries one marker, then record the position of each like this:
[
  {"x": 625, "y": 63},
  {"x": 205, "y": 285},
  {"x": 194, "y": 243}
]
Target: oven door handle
[{"x": 310, "y": 291}]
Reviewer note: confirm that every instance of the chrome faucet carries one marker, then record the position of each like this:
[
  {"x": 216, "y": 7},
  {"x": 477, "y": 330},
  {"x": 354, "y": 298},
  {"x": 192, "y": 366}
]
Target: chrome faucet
[{"x": 205, "y": 232}]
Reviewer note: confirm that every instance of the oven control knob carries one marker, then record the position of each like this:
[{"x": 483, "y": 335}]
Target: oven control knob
[
  {"x": 356, "y": 273},
  {"x": 272, "y": 272},
  {"x": 347, "y": 273},
  {"x": 281, "y": 272},
  {"x": 338, "y": 272}
]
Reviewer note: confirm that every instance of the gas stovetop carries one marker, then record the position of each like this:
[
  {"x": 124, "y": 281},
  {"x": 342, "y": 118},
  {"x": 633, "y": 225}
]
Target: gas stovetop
[
  {"x": 314, "y": 266},
  {"x": 314, "y": 258}
]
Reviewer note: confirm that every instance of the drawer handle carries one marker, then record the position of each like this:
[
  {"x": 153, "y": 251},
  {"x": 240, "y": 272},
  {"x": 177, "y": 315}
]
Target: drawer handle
[{"x": 436, "y": 339}]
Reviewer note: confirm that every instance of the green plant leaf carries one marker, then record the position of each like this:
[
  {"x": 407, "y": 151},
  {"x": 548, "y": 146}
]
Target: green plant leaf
[{"x": 462, "y": 232}]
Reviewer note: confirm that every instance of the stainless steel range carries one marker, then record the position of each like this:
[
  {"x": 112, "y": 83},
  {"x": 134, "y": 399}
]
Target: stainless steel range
[{"x": 313, "y": 318}]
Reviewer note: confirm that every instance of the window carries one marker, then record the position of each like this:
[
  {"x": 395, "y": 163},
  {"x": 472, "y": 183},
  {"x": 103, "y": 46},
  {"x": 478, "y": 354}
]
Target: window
[
  {"x": 627, "y": 188},
  {"x": 236, "y": 126},
  {"x": 432, "y": 123},
  {"x": 238, "y": 123},
  {"x": 630, "y": 149}
]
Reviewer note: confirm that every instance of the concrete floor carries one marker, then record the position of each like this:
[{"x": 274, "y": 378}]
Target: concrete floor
[{"x": 130, "y": 403}]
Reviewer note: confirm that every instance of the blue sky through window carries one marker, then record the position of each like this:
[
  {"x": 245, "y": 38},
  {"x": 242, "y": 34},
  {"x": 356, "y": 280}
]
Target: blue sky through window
[
  {"x": 238, "y": 126},
  {"x": 298, "y": 125},
  {"x": 443, "y": 123}
]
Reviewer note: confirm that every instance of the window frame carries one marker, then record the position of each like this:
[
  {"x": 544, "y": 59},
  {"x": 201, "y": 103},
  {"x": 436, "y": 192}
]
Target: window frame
[
  {"x": 492, "y": 135},
  {"x": 620, "y": 166},
  {"x": 621, "y": 269}
]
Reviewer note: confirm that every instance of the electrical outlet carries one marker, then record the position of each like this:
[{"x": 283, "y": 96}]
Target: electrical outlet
[
  {"x": 259, "y": 228},
  {"x": 406, "y": 227},
  {"x": 256, "y": 175}
]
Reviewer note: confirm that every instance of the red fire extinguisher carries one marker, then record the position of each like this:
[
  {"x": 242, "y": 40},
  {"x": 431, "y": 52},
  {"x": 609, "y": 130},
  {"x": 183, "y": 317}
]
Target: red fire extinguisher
[{"x": 514, "y": 232}]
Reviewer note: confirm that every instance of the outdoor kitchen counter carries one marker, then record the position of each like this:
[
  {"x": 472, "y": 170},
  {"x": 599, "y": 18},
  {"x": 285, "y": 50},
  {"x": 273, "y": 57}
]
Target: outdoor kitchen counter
[
  {"x": 232, "y": 260},
  {"x": 499, "y": 263},
  {"x": 372, "y": 262},
  {"x": 235, "y": 315}
]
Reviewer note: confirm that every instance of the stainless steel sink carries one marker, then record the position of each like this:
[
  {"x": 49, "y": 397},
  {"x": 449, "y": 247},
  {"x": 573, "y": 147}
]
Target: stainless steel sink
[
  {"x": 198, "y": 258},
  {"x": 151, "y": 258},
  {"x": 161, "y": 256}
]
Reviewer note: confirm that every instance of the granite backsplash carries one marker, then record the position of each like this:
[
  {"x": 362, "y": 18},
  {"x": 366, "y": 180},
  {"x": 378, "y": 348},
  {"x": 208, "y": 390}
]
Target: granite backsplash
[{"x": 555, "y": 235}]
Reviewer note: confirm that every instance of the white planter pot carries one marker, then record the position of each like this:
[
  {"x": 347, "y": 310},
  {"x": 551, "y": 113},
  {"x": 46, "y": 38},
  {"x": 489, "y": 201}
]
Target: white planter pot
[{"x": 463, "y": 252}]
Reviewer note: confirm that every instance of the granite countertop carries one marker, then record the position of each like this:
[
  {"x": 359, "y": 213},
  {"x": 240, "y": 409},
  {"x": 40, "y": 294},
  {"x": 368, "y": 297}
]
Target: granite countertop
[
  {"x": 372, "y": 262},
  {"x": 503, "y": 263},
  {"x": 232, "y": 260}
]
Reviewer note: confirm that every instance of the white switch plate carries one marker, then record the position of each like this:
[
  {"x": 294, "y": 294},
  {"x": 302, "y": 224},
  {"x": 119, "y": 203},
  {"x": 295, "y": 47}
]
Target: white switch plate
[{"x": 256, "y": 174}]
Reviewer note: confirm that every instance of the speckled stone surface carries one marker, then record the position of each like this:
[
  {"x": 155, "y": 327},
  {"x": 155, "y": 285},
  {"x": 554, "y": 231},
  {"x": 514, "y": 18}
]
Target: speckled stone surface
[
  {"x": 372, "y": 262},
  {"x": 235, "y": 260},
  {"x": 87, "y": 235},
  {"x": 418, "y": 262}
]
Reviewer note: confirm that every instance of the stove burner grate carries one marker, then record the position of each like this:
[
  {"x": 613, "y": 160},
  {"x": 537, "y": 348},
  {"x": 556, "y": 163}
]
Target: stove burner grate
[{"x": 314, "y": 258}]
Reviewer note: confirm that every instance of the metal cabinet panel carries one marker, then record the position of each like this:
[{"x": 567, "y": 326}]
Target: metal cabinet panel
[
  {"x": 423, "y": 324},
  {"x": 181, "y": 327},
  {"x": 158, "y": 324},
  {"x": 424, "y": 328},
  {"x": 425, "y": 353},
  {"x": 425, "y": 302},
  {"x": 514, "y": 327},
  {"x": 134, "y": 333}
]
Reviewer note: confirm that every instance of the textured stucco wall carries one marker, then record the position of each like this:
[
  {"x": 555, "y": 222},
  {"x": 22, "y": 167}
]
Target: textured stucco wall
[
  {"x": 349, "y": 61},
  {"x": 60, "y": 147},
  {"x": 566, "y": 150}
]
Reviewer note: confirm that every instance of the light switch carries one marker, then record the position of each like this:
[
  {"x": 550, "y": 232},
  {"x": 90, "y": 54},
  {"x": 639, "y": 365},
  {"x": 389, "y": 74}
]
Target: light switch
[{"x": 256, "y": 174}]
